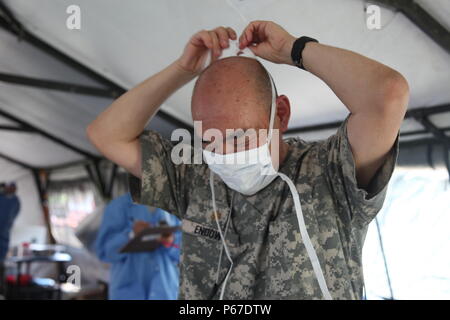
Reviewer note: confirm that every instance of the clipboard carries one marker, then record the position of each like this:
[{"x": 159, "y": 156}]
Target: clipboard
[{"x": 147, "y": 239}]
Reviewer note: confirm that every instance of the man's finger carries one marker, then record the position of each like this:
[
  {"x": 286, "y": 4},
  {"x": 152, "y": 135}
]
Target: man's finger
[
  {"x": 223, "y": 37},
  {"x": 203, "y": 38},
  {"x": 216, "y": 46},
  {"x": 250, "y": 33},
  {"x": 247, "y": 35},
  {"x": 231, "y": 33}
]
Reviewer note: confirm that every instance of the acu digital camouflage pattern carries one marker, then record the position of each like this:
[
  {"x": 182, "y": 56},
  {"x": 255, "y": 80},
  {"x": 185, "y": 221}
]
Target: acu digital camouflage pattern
[{"x": 270, "y": 260}]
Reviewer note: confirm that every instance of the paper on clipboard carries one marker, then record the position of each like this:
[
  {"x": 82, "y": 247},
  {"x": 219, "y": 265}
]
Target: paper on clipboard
[{"x": 147, "y": 240}]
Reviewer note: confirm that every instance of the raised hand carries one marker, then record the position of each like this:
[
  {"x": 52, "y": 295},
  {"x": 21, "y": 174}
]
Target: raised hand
[
  {"x": 195, "y": 53},
  {"x": 268, "y": 40}
]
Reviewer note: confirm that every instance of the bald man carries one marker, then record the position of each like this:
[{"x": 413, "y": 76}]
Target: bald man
[{"x": 293, "y": 234}]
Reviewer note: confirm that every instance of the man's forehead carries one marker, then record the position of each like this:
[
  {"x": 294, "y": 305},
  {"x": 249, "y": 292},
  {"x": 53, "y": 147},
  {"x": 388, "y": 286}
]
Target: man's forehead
[
  {"x": 223, "y": 118},
  {"x": 231, "y": 91},
  {"x": 230, "y": 102},
  {"x": 230, "y": 76},
  {"x": 239, "y": 66}
]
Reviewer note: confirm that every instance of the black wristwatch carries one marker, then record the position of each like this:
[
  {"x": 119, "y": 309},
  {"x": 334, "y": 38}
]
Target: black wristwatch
[{"x": 297, "y": 49}]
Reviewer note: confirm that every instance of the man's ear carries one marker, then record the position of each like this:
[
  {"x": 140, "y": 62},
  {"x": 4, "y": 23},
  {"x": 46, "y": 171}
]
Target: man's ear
[{"x": 283, "y": 112}]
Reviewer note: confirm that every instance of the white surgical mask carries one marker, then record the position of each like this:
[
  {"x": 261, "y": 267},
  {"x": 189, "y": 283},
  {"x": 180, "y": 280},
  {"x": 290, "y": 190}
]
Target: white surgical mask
[
  {"x": 246, "y": 171},
  {"x": 247, "y": 178},
  {"x": 250, "y": 177}
]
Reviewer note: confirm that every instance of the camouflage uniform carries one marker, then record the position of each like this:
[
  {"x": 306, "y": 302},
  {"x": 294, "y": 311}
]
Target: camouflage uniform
[{"x": 270, "y": 260}]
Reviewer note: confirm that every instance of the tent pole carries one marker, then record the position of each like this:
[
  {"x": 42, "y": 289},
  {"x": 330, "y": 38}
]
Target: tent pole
[
  {"x": 94, "y": 176},
  {"x": 100, "y": 179},
  {"x": 17, "y": 162},
  {"x": 41, "y": 178},
  {"x": 48, "y": 135},
  {"x": 15, "y": 128},
  {"x": 411, "y": 113},
  {"x": 430, "y": 156},
  {"x": 446, "y": 150},
  {"x": 58, "y": 86},
  {"x": 380, "y": 240},
  {"x": 111, "y": 181},
  {"x": 439, "y": 135}
]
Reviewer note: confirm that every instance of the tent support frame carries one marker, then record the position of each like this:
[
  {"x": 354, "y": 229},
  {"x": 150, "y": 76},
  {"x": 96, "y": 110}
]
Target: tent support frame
[
  {"x": 112, "y": 179},
  {"x": 16, "y": 128},
  {"x": 96, "y": 178},
  {"x": 17, "y": 162},
  {"x": 57, "y": 85},
  {"x": 103, "y": 186},
  {"x": 439, "y": 135},
  {"x": 416, "y": 112},
  {"x": 51, "y": 137},
  {"x": 42, "y": 180}
]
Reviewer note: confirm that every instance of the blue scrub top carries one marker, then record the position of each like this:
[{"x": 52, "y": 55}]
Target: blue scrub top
[
  {"x": 139, "y": 276},
  {"x": 9, "y": 209}
]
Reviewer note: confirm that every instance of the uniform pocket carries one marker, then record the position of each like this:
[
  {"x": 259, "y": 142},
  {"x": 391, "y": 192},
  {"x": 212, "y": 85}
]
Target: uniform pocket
[{"x": 199, "y": 258}]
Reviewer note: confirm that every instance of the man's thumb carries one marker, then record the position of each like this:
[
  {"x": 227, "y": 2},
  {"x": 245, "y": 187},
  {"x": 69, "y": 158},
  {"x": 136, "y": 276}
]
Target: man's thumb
[{"x": 255, "y": 49}]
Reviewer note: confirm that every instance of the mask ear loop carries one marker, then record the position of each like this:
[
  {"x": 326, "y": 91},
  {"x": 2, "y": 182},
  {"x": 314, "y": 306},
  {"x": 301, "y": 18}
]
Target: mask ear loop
[
  {"x": 273, "y": 108},
  {"x": 306, "y": 239},
  {"x": 219, "y": 264},
  {"x": 211, "y": 184},
  {"x": 298, "y": 208}
]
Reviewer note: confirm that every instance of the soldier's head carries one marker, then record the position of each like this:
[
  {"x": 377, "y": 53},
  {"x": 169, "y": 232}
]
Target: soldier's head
[
  {"x": 236, "y": 93},
  {"x": 11, "y": 188}
]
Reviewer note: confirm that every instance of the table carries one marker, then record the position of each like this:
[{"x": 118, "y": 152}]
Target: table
[{"x": 57, "y": 257}]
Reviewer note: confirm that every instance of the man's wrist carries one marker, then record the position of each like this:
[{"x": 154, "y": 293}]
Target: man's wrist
[
  {"x": 288, "y": 49},
  {"x": 183, "y": 72},
  {"x": 298, "y": 48},
  {"x": 306, "y": 54}
]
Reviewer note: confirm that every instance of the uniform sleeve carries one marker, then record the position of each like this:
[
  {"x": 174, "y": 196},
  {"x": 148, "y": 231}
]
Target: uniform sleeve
[
  {"x": 163, "y": 183},
  {"x": 358, "y": 206}
]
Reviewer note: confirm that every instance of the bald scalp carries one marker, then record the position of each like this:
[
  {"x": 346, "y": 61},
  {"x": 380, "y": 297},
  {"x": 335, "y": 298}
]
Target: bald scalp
[{"x": 244, "y": 77}]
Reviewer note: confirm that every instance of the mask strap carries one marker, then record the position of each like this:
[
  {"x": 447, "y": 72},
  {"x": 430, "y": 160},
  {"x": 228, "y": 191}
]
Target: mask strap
[
  {"x": 211, "y": 185},
  {"x": 219, "y": 264},
  {"x": 306, "y": 239},
  {"x": 272, "y": 108}
]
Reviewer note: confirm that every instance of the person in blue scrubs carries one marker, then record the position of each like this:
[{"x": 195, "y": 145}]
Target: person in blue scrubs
[
  {"x": 9, "y": 209},
  {"x": 150, "y": 275}
]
